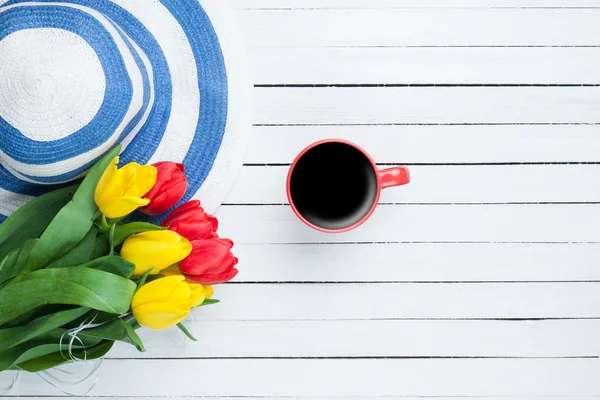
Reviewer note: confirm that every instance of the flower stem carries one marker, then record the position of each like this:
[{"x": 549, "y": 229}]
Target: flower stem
[{"x": 111, "y": 235}]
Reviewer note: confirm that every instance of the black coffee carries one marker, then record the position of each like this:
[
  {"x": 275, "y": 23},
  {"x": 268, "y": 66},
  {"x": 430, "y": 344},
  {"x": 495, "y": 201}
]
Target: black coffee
[{"x": 333, "y": 185}]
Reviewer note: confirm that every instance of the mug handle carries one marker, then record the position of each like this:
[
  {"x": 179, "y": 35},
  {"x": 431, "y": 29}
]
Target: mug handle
[{"x": 395, "y": 176}]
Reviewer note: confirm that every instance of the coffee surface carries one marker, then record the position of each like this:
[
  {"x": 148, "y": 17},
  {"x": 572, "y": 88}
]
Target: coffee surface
[{"x": 333, "y": 185}]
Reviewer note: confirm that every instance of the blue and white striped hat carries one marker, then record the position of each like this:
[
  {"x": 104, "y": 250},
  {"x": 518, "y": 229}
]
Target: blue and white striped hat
[{"x": 79, "y": 76}]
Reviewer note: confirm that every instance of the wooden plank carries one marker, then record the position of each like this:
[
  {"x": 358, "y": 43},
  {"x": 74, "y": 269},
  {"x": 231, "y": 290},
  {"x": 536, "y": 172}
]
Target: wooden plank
[
  {"x": 279, "y": 397},
  {"x": 342, "y": 378},
  {"x": 449, "y": 184},
  {"x": 421, "y": 27},
  {"x": 274, "y": 302},
  {"x": 401, "y": 65},
  {"x": 418, "y": 105},
  {"x": 418, "y": 262},
  {"x": 297, "y": 397},
  {"x": 553, "y": 338},
  {"x": 391, "y": 4},
  {"x": 311, "y": 397},
  {"x": 439, "y": 223},
  {"x": 436, "y": 144}
]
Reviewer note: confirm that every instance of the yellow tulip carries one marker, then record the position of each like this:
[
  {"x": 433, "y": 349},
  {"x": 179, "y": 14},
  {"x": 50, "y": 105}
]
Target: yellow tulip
[
  {"x": 155, "y": 249},
  {"x": 208, "y": 290},
  {"x": 120, "y": 190},
  {"x": 165, "y": 302}
]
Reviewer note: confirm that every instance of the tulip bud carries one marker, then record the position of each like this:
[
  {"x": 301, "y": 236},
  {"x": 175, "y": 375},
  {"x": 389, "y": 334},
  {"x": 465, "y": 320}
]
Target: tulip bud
[
  {"x": 120, "y": 190},
  {"x": 170, "y": 187},
  {"x": 210, "y": 262},
  {"x": 155, "y": 249},
  {"x": 191, "y": 221},
  {"x": 166, "y": 302}
]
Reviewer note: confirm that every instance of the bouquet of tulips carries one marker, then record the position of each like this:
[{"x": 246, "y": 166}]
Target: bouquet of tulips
[{"x": 78, "y": 273}]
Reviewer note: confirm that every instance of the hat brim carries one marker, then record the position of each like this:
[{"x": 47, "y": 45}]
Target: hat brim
[{"x": 210, "y": 143}]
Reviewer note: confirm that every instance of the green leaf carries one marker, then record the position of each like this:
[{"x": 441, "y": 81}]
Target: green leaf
[
  {"x": 134, "y": 323},
  {"x": 112, "y": 264},
  {"x": 208, "y": 302},
  {"x": 41, "y": 346},
  {"x": 26, "y": 352},
  {"x": 29, "y": 221},
  {"x": 84, "y": 287},
  {"x": 93, "y": 316},
  {"x": 143, "y": 278},
  {"x": 8, "y": 266},
  {"x": 56, "y": 359},
  {"x": 28, "y": 245},
  {"x": 13, "y": 270},
  {"x": 71, "y": 223},
  {"x": 101, "y": 246},
  {"x": 185, "y": 331},
  {"x": 79, "y": 254},
  {"x": 116, "y": 330},
  {"x": 23, "y": 254},
  {"x": 14, "y": 336},
  {"x": 122, "y": 233},
  {"x": 38, "y": 312}
]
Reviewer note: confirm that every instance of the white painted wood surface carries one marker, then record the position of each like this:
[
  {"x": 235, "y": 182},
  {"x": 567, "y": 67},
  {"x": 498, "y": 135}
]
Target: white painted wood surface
[{"x": 480, "y": 280}]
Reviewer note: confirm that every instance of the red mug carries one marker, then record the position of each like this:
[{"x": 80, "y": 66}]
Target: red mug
[{"x": 334, "y": 185}]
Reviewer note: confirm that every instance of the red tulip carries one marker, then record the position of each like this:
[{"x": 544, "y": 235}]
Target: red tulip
[
  {"x": 192, "y": 222},
  {"x": 170, "y": 187},
  {"x": 211, "y": 262}
]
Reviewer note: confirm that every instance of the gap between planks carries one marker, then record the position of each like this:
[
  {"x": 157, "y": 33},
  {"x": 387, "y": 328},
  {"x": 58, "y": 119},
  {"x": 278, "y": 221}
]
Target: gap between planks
[{"x": 420, "y": 85}]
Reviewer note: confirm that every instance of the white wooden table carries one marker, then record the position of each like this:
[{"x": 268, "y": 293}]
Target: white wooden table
[{"x": 481, "y": 279}]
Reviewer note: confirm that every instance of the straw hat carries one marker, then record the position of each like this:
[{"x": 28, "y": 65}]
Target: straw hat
[{"x": 78, "y": 76}]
